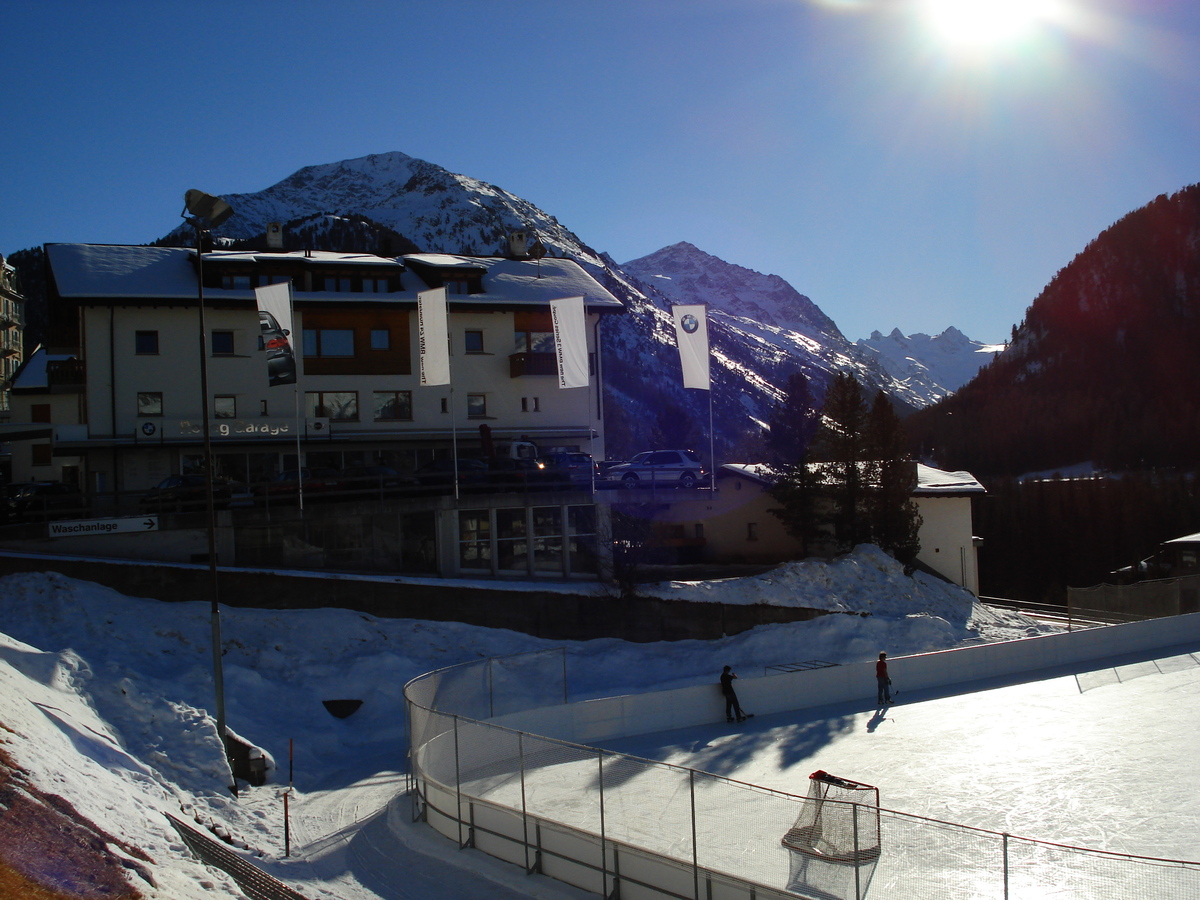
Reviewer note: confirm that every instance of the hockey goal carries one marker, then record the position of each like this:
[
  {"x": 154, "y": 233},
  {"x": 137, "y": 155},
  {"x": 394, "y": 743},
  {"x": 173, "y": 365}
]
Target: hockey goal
[{"x": 838, "y": 821}]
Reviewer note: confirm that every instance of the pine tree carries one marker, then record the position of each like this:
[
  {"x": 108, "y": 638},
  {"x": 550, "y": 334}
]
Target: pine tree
[
  {"x": 841, "y": 450},
  {"x": 792, "y": 423},
  {"x": 894, "y": 521}
]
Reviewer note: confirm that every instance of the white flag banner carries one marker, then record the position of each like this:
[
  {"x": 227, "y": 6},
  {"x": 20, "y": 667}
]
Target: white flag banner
[
  {"x": 275, "y": 325},
  {"x": 570, "y": 341},
  {"x": 433, "y": 336},
  {"x": 691, "y": 331}
]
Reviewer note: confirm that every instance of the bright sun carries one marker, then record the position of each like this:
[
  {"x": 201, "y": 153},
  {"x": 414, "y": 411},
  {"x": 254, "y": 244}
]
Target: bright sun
[{"x": 985, "y": 23}]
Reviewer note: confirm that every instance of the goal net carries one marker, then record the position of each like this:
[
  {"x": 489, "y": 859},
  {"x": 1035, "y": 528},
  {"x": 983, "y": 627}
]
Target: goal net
[{"x": 839, "y": 820}]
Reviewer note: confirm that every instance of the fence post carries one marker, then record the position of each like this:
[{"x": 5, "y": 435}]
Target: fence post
[
  {"x": 695, "y": 852},
  {"x": 457, "y": 786},
  {"x": 857, "y": 861},
  {"x": 603, "y": 852},
  {"x": 1005, "y": 846},
  {"x": 524, "y": 809}
]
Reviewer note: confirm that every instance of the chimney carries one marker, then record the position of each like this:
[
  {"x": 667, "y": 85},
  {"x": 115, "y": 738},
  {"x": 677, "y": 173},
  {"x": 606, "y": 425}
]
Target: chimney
[
  {"x": 274, "y": 236},
  {"x": 518, "y": 245}
]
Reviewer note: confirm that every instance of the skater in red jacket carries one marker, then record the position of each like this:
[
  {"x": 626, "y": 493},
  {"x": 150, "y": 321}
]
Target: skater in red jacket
[{"x": 883, "y": 681}]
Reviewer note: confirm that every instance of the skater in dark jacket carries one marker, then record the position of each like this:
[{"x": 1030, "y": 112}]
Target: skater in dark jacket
[
  {"x": 884, "y": 693},
  {"x": 731, "y": 700}
]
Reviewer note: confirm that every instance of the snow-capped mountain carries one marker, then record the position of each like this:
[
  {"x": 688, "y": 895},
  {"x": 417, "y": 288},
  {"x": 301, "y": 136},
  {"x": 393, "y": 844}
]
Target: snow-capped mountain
[
  {"x": 761, "y": 328},
  {"x": 934, "y": 367}
]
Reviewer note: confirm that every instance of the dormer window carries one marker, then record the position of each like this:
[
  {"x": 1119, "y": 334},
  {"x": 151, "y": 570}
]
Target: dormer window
[
  {"x": 455, "y": 285},
  {"x": 337, "y": 283},
  {"x": 235, "y": 282}
]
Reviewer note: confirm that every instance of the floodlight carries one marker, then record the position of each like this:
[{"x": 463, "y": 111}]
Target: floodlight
[{"x": 206, "y": 206}]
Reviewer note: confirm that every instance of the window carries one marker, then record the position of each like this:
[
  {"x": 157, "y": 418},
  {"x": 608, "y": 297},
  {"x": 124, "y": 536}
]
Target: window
[
  {"x": 456, "y": 285},
  {"x": 39, "y": 412},
  {"x": 474, "y": 341},
  {"x": 328, "y": 342},
  {"x": 42, "y": 455},
  {"x": 533, "y": 342},
  {"x": 445, "y": 405},
  {"x": 752, "y": 531},
  {"x": 699, "y": 531},
  {"x": 375, "y": 285},
  {"x": 225, "y": 407},
  {"x": 149, "y": 403},
  {"x": 341, "y": 406},
  {"x": 476, "y": 406},
  {"x": 336, "y": 283},
  {"x": 381, "y": 339},
  {"x": 235, "y": 282},
  {"x": 145, "y": 343},
  {"x": 262, "y": 408},
  {"x": 393, "y": 406},
  {"x": 222, "y": 343}
]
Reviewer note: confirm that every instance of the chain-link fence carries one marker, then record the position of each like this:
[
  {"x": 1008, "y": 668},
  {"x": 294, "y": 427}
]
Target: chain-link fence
[{"x": 626, "y": 827}]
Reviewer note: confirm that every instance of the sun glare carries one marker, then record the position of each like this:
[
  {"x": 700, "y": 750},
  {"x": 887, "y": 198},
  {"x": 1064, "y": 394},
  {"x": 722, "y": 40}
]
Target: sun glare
[{"x": 985, "y": 23}]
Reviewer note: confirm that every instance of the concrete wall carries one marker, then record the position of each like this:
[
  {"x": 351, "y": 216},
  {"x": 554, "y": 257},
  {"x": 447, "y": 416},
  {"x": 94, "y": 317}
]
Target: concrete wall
[
  {"x": 547, "y": 614},
  {"x": 604, "y": 719},
  {"x": 946, "y": 540}
]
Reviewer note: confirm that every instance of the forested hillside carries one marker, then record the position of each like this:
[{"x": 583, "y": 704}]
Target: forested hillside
[{"x": 1104, "y": 367}]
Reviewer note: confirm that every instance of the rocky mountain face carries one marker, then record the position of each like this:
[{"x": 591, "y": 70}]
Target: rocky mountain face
[
  {"x": 933, "y": 367},
  {"x": 1102, "y": 370},
  {"x": 761, "y": 329}
]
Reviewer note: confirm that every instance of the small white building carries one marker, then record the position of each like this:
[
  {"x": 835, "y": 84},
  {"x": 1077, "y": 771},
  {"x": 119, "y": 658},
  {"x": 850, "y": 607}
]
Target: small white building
[{"x": 735, "y": 524}]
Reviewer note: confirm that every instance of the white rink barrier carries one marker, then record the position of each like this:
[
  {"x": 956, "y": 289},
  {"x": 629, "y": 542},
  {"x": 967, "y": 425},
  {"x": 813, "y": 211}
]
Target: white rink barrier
[
  {"x": 594, "y": 721},
  {"x": 499, "y": 761}
]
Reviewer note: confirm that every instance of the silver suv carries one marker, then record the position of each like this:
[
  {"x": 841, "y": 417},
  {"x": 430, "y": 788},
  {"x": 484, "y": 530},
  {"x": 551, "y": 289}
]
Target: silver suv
[{"x": 668, "y": 468}]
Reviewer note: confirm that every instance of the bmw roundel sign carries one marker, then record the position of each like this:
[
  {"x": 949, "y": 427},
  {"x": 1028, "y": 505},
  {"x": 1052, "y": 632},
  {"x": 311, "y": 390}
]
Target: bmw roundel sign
[{"x": 689, "y": 323}]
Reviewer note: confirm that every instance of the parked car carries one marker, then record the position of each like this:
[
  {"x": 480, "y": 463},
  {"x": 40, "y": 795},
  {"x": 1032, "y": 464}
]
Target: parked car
[
  {"x": 374, "y": 479},
  {"x": 180, "y": 492},
  {"x": 664, "y": 468},
  {"x": 517, "y": 474},
  {"x": 579, "y": 469},
  {"x": 39, "y": 500},
  {"x": 286, "y": 485},
  {"x": 441, "y": 472},
  {"x": 281, "y": 361}
]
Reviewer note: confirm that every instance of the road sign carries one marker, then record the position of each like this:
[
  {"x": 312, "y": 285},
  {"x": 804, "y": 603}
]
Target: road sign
[{"x": 125, "y": 525}]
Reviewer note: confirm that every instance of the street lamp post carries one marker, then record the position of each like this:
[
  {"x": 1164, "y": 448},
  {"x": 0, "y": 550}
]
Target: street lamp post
[{"x": 207, "y": 212}]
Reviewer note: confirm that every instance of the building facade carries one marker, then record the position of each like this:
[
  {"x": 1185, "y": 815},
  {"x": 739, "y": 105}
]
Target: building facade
[{"x": 120, "y": 376}]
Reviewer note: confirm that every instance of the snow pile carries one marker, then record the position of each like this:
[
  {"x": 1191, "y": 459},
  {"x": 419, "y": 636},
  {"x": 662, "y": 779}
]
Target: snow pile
[
  {"x": 864, "y": 581},
  {"x": 106, "y": 701}
]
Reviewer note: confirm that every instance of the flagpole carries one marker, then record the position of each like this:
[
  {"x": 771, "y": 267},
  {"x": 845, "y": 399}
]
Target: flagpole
[{"x": 296, "y": 410}]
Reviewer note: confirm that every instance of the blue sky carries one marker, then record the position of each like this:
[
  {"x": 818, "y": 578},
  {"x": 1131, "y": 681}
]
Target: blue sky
[{"x": 897, "y": 174}]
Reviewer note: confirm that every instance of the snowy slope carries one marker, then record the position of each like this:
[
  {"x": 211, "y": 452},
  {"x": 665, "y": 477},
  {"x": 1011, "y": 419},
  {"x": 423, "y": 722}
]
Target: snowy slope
[
  {"x": 105, "y": 701},
  {"x": 934, "y": 366}
]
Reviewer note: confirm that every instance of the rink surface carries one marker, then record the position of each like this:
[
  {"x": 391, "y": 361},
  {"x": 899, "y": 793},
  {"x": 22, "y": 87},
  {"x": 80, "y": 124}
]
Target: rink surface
[
  {"x": 1107, "y": 759},
  {"x": 1104, "y": 759}
]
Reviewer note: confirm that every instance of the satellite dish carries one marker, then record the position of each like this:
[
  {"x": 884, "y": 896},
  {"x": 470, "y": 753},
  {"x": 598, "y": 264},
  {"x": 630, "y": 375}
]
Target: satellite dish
[{"x": 206, "y": 206}]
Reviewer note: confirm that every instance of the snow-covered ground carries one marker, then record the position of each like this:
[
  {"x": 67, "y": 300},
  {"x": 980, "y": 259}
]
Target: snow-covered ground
[{"x": 105, "y": 701}]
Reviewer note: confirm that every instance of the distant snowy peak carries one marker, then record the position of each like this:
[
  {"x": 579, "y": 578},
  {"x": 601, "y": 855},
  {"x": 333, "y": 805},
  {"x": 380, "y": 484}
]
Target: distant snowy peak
[
  {"x": 685, "y": 274},
  {"x": 933, "y": 366},
  {"x": 434, "y": 208}
]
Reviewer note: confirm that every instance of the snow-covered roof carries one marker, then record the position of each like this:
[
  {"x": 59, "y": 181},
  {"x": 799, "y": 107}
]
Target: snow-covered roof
[
  {"x": 304, "y": 256},
  {"x": 936, "y": 481},
  {"x": 32, "y": 374},
  {"x": 111, "y": 270},
  {"x": 1186, "y": 539},
  {"x": 930, "y": 481},
  {"x": 83, "y": 271}
]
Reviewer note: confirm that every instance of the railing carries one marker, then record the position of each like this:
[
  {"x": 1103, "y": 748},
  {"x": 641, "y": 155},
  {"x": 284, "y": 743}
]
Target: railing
[
  {"x": 621, "y": 826},
  {"x": 532, "y": 364}
]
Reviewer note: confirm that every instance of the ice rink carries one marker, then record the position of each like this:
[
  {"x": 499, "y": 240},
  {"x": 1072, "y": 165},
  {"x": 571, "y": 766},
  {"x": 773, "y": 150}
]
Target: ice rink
[{"x": 1104, "y": 759}]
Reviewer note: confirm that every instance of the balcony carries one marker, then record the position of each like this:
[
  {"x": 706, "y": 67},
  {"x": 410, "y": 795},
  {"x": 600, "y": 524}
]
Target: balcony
[
  {"x": 532, "y": 364},
  {"x": 66, "y": 375}
]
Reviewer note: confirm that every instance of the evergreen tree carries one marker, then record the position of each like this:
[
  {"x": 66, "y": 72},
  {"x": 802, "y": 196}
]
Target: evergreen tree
[
  {"x": 894, "y": 521},
  {"x": 841, "y": 450},
  {"x": 792, "y": 423}
]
